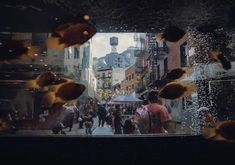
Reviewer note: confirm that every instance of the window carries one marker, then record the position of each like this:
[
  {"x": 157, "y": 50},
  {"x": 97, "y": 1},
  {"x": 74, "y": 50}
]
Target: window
[
  {"x": 158, "y": 72},
  {"x": 76, "y": 53},
  {"x": 129, "y": 77},
  {"x": 68, "y": 54},
  {"x": 132, "y": 76},
  {"x": 165, "y": 65}
]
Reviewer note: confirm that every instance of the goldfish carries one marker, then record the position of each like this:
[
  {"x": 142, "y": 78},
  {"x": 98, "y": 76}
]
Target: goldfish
[
  {"x": 223, "y": 60},
  {"x": 171, "y": 34},
  {"x": 17, "y": 49},
  {"x": 42, "y": 80},
  {"x": 71, "y": 35},
  {"x": 223, "y": 131},
  {"x": 176, "y": 90},
  {"x": 65, "y": 92},
  {"x": 177, "y": 73},
  {"x": 4, "y": 125},
  {"x": 46, "y": 79}
]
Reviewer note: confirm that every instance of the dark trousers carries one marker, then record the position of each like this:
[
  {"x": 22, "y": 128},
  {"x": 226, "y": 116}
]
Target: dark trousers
[
  {"x": 101, "y": 121},
  {"x": 80, "y": 124}
]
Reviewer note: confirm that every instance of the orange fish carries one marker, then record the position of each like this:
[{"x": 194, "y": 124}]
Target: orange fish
[
  {"x": 177, "y": 73},
  {"x": 171, "y": 34},
  {"x": 176, "y": 90},
  {"x": 71, "y": 35},
  {"x": 4, "y": 125},
  {"x": 68, "y": 91},
  {"x": 17, "y": 49},
  {"x": 223, "y": 60},
  {"x": 223, "y": 131},
  {"x": 43, "y": 80}
]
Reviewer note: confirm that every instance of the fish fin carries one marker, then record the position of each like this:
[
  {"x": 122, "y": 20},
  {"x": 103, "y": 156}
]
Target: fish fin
[
  {"x": 208, "y": 133},
  {"x": 49, "y": 99},
  {"x": 190, "y": 88},
  {"x": 77, "y": 46},
  {"x": 61, "y": 33},
  {"x": 59, "y": 100},
  {"x": 214, "y": 54},
  {"x": 160, "y": 37},
  {"x": 53, "y": 87},
  {"x": 219, "y": 138},
  {"x": 24, "y": 57},
  {"x": 187, "y": 70},
  {"x": 32, "y": 84},
  {"x": 33, "y": 51},
  {"x": 72, "y": 102},
  {"x": 54, "y": 43},
  {"x": 5, "y": 62}
]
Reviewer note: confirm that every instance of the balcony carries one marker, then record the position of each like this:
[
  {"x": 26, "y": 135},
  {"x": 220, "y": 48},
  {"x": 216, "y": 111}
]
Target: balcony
[
  {"x": 139, "y": 53},
  {"x": 139, "y": 69},
  {"x": 162, "y": 49}
]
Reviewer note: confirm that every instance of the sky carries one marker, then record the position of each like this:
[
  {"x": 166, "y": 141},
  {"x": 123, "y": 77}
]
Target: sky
[{"x": 100, "y": 43}]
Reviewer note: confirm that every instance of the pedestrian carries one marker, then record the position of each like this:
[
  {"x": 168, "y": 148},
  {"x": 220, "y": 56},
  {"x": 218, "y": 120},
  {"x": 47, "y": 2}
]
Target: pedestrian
[
  {"x": 158, "y": 115},
  {"x": 153, "y": 117},
  {"x": 58, "y": 128},
  {"x": 69, "y": 116},
  {"x": 128, "y": 127},
  {"x": 206, "y": 119},
  {"x": 101, "y": 115},
  {"x": 109, "y": 117},
  {"x": 117, "y": 122},
  {"x": 88, "y": 120},
  {"x": 82, "y": 110}
]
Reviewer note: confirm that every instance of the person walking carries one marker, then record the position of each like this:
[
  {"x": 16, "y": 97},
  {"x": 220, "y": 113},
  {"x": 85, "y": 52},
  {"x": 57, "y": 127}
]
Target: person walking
[
  {"x": 88, "y": 121},
  {"x": 117, "y": 122},
  {"x": 101, "y": 115},
  {"x": 69, "y": 116},
  {"x": 157, "y": 114}
]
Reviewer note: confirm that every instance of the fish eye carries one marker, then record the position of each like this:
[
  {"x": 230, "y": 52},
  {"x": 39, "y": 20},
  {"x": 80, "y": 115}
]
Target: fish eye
[{"x": 85, "y": 33}]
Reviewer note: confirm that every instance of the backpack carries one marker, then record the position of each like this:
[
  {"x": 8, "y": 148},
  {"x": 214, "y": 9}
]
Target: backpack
[{"x": 146, "y": 120}]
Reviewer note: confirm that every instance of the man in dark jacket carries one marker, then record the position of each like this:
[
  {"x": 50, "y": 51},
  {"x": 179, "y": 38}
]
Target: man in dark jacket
[{"x": 101, "y": 115}]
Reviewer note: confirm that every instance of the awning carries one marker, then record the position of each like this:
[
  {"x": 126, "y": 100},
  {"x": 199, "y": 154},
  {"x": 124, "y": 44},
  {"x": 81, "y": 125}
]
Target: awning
[{"x": 126, "y": 99}]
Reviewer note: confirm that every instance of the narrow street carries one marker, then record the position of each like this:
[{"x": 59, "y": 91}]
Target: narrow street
[{"x": 106, "y": 130}]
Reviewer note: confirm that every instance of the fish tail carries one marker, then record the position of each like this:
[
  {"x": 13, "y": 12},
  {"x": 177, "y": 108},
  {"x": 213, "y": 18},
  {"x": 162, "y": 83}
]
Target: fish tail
[
  {"x": 209, "y": 133},
  {"x": 54, "y": 43},
  {"x": 214, "y": 54}
]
